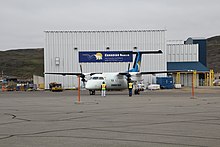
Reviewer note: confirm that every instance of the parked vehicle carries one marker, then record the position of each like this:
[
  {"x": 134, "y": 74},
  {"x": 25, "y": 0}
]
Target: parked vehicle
[
  {"x": 216, "y": 82},
  {"x": 55, "y": 87}
]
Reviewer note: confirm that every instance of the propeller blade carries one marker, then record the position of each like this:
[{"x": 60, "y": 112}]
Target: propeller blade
[
  {"x": 82, "y": 76},
  {"x": 128, "y": 66},
  {"x": 128, "y": 74},
  {"x": 80, "y": 68}
]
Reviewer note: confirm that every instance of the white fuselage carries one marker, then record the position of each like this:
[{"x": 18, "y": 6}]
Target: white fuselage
[{"x": 113, "y": 81}]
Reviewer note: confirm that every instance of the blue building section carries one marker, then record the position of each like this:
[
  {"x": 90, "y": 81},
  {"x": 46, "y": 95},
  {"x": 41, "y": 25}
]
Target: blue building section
[
  {"x": 102, "y": 56},
  {"x": 202, "y": 48},
  {"x": 185, "y": 66},
  {"x": 165, "y": 82}
]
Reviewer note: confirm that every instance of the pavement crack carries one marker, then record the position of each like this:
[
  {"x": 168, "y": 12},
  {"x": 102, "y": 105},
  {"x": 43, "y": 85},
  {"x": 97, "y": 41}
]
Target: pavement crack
[
  {"x": 6, "y": 137},
  {"x": 123, "y": 140},
  {"x": 13, "y": 116}
]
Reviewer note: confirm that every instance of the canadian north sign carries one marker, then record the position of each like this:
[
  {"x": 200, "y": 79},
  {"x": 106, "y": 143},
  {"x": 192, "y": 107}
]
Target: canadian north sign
[{"x": 102, "y": 56}]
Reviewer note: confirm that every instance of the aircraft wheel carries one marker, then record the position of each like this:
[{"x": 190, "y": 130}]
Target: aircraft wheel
[{"x": 92, "y": 92}]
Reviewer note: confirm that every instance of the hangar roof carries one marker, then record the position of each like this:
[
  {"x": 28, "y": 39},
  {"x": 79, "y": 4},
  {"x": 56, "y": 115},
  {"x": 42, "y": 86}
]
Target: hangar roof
[
  {"x": 187, "y": 66},
  {"x": 99, "y": 31}
]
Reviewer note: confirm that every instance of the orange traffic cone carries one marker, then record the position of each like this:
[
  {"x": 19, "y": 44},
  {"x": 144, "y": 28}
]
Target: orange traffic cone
[{"x": 3, "y": 88}]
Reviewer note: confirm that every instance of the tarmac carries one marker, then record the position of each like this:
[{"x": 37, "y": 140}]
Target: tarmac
[{"x": 161, "y": 118}]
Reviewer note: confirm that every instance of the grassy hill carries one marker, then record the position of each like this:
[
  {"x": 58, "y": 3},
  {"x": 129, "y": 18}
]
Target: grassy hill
[
  {"x": 213, "y": 53},
  {"x": 22, "y": 63}
]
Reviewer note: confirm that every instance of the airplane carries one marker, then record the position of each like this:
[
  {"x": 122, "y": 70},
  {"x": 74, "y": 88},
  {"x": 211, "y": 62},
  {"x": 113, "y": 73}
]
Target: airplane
[{"x": 115, "y": 80}]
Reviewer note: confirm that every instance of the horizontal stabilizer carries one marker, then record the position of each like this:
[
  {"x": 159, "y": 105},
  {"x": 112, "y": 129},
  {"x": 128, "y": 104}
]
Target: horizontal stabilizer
[{"x": 142, "y": 52}]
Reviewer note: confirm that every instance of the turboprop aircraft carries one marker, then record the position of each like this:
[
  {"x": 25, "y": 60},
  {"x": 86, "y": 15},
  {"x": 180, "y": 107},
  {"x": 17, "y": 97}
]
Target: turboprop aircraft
[
  {"x": 118, "y": 80},
  {"x": 115, "y": 80}
]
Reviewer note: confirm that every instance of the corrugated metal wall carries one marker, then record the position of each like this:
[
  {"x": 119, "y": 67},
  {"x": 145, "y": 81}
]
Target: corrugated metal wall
[
  {"x": 182, "y": 52},
  {"x": 62, "y": 47}
]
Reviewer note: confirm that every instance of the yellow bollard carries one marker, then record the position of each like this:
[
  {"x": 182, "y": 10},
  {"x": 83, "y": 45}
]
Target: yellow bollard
[
  {"x": 211, "y": 77},
  {"x": 178, "y": 78}
]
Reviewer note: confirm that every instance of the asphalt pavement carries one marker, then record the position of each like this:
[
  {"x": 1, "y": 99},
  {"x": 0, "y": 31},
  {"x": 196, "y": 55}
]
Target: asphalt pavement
[{"x": 153, "y": 118}]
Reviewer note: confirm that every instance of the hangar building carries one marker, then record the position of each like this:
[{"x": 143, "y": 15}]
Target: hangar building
[
  {"x": 62, "y": 48},
  {"x": 61, "y": 53}
]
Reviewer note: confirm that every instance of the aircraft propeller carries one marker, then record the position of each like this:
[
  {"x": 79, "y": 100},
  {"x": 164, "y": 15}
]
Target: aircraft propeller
[
  {"x": 82, "y": 76},
  {"x": 128, "y": 67},
  {"x": 128, "y": 75}
]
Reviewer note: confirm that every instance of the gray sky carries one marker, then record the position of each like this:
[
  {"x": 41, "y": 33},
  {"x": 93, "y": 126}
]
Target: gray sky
[{"x": 23, "y": 22}]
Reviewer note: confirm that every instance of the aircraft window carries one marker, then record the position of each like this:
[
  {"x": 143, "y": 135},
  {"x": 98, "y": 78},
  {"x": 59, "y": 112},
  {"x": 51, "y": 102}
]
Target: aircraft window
[
  {"x": 101, "y": 78},
  {"x": 95, "y": 78},
  {"x": 120, "y": 77}
]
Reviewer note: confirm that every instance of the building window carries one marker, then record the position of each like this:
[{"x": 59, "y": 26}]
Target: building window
[{"x": 57, "y": 61}]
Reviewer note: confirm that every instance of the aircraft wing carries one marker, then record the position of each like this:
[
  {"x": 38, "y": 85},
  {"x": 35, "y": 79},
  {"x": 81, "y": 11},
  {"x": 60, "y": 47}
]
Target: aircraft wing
[
  {"x": 123, "y": 73},
  {"x": 149, "y": 72},
  {"x": 71, "y": 73},
  {"x": 158, "y": 72},
  {"x": 64, "y": 74}
]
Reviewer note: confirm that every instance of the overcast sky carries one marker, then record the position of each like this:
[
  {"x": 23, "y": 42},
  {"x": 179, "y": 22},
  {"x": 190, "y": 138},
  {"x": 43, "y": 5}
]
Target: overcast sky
[{"x": 23, "y": 22}]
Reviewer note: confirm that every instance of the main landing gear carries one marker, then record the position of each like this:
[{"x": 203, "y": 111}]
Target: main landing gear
[{"x": 92, "y": 92}]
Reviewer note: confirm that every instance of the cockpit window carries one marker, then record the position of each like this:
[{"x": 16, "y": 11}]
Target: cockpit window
[{"x": 97, "y": 78}]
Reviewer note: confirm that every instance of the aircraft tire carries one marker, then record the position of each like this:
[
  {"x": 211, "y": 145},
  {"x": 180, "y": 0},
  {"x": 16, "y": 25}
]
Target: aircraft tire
[{"x": 92, "y": 92}]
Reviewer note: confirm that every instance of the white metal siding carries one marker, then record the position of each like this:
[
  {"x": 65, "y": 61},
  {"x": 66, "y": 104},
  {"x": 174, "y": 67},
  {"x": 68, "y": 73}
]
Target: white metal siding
[
  {"x": 182, "y": 52},
  {"x": 61, "y": 44}
]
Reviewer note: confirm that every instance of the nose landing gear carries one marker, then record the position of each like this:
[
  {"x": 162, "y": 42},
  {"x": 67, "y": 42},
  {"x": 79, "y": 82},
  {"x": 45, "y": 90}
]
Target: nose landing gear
[{"x": 92, "y": 92}]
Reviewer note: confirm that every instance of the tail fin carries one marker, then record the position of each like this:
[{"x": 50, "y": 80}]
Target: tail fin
[{"x": 137, "y": 63}]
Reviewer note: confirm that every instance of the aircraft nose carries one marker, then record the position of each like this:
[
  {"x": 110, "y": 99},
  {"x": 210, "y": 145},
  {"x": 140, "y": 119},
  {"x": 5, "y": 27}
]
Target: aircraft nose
[
  {"x": 91, "y": 85},
  {"x": 88, "y": 85}
]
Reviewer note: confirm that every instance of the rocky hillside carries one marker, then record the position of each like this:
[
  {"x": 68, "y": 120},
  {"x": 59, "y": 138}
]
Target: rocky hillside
[
  {"x": 22, "y": 63},
  {"x": 213, "y": 53}
]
